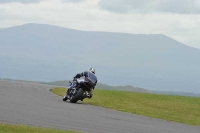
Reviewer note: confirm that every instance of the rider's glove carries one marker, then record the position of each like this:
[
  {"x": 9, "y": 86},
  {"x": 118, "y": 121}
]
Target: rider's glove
[{"x": 74, "y": 79}]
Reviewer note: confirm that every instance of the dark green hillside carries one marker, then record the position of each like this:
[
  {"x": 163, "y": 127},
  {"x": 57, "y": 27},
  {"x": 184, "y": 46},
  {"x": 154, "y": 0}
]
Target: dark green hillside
[{"x": 65, "y": 83}]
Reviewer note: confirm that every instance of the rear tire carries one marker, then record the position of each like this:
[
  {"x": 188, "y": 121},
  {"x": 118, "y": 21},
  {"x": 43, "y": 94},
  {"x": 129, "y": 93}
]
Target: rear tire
[{"x": 75, "y": 98}]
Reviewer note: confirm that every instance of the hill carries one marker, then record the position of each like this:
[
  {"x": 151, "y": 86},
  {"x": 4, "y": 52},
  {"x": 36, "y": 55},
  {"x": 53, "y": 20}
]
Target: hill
[
  {"x": 49, "y": 53},
  {"x": 65, "y": 83}
]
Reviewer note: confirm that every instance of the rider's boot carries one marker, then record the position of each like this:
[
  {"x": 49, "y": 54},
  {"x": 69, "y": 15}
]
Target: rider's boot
[{"x": 85, "y": 96}]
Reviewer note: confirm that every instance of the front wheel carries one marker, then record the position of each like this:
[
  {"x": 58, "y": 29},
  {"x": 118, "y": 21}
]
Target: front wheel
[
  {"x": 75, "y": 98},
  {"x": 65, "y": 98}
]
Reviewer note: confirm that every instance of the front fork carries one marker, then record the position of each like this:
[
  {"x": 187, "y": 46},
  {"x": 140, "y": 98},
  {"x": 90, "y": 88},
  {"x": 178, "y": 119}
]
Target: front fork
[
  {"x": 71, "y": 92},
  {"x": 71, "y": 87}
]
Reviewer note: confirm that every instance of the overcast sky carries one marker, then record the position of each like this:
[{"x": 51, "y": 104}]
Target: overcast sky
[{"x": 179, "y": 19}]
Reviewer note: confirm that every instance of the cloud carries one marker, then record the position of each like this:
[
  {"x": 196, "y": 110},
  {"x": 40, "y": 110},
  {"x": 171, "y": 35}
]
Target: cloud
[
  {"x": 181, "y": 7},
  {"x": 149, "y": 6},
  {"x": 74, "y": 1},
  {"x": 36, "y": 1},
  {"x": 20, "y": 1}
]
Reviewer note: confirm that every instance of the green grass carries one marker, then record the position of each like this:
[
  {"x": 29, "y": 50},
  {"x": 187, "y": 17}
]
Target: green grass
[
  {"x": 173, "y": 108},
  {"x": 8, "y": 128}
]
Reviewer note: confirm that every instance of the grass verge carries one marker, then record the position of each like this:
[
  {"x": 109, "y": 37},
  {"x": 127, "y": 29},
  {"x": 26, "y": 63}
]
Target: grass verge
[
  {"x": 8, "y": 128},
  {"x": 173, "y": 108}
]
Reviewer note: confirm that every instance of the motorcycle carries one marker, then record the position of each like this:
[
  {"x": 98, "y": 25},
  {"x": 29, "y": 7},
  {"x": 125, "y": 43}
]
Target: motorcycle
[{"x": 77, "y": 89}]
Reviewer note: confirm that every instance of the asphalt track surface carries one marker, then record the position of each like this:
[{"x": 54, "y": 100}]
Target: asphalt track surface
[{"x": 33, "y": 104}]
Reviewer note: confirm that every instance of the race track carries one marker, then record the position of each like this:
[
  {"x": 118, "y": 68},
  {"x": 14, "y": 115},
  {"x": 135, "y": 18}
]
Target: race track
[{"x": 34, "y": 104}]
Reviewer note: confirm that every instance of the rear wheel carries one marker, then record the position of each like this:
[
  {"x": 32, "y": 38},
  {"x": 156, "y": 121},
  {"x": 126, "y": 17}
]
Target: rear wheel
[{"x": 75, "y": 98}]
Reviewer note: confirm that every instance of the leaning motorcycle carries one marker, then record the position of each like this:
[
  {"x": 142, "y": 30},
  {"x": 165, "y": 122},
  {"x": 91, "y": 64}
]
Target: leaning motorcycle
[{"x": 77, "y": 89}]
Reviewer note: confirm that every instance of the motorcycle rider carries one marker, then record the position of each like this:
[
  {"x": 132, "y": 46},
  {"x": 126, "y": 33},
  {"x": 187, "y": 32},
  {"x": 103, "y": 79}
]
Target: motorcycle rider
[{"x": 88, "y": 74}]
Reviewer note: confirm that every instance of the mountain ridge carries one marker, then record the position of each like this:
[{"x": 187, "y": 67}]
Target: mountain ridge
[{"x": 49, "y": 53}]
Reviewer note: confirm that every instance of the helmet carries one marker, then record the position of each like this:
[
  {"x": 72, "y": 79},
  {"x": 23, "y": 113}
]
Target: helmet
[{"x": 92, "y": 70}]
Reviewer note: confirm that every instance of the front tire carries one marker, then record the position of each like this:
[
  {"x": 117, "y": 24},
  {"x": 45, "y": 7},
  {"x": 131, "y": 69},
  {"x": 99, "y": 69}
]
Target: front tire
[
  {"x": 75, "y": 98},
  {"x": 65, "y": 98}
]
